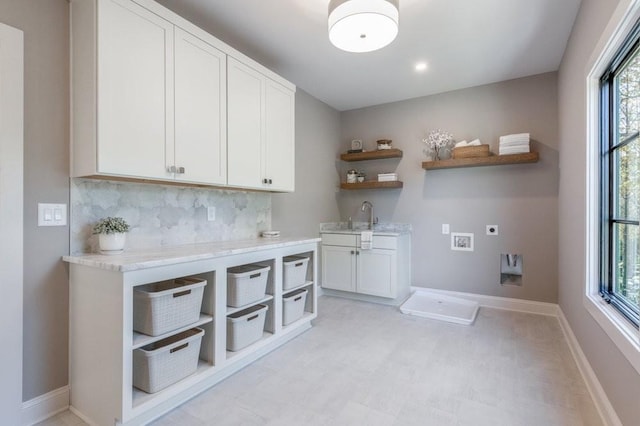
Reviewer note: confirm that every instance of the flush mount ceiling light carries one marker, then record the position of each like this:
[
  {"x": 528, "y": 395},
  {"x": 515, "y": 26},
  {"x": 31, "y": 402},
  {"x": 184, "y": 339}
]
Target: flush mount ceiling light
[
  {"x": 420, "y": 66},
  {"x": 362, "y": 25}
]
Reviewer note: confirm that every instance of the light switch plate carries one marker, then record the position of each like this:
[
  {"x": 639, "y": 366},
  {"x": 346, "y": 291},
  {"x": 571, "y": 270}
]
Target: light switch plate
[
  {"x": 445, "y": 229},
  {"x": 52, "y": 214},
  {"x": 211, "y": 213}
]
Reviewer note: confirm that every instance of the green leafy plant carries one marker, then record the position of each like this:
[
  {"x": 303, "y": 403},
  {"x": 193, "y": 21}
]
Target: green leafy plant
[{"x": 110, "y": 225}]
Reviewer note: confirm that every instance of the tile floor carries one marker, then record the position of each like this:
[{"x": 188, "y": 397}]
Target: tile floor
[{"x": 367, "y": 364}]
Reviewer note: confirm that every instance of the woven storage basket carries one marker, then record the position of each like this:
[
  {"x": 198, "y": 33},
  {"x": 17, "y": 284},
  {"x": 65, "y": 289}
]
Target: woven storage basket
[
  {"x": 245, "y": 327},
  {"x": 294, "y": 271},
  {"x": 293, "y": 306},
  {"x": 165, "y": 306},
  {"x": 167, "y": 361},
  {"x": 471, "y": 151},
  {"x": 246, "y": 284}
]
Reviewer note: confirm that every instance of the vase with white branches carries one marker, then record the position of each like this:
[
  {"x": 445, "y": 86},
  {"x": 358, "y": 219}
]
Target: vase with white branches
[{"x": 438, "y": 142}]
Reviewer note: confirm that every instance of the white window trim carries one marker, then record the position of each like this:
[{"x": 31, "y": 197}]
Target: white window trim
[{"x": 625, "y": 336}]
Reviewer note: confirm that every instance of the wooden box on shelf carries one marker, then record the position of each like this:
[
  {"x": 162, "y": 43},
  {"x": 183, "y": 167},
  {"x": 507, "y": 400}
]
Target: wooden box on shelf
[{"x": 471, "y": 151}]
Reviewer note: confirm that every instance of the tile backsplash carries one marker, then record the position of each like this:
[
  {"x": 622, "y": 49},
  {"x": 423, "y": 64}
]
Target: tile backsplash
[{"x": 165, "y": 215}]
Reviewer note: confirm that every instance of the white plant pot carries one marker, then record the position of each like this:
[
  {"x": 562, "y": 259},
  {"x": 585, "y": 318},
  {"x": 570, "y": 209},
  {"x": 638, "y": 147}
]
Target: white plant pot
[{"x": 112, "y": 243}]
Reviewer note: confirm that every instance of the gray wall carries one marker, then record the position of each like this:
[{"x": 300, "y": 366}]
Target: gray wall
[
  {"x": 619, "y": 379},
  {"x": 521, "y": 199},
  {"x": 314, "y": 201},
  {"x": 46, "y": 179}
]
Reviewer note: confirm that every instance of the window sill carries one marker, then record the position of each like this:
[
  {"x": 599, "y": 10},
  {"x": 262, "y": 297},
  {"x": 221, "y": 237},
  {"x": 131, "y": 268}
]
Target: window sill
[{"x": 625, "y": 336}]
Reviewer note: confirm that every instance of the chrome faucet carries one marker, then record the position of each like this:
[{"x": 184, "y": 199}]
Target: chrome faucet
[{"x": 366, "y": 204}]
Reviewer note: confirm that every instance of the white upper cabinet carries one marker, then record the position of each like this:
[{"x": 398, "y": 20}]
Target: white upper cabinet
[
  {"x": 279, "y": 137},
  {"x": 151, "y": 100},
  {"x": 134, "y": 91},
  {"x": 261, "y": 130},
  {"x": 200, "y": 111},
  {"x": 245, "y": 92}
]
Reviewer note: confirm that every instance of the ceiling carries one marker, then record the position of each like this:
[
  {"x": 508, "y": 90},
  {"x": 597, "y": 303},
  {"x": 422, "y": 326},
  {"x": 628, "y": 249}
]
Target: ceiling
[{"x": 465, "y": 43}]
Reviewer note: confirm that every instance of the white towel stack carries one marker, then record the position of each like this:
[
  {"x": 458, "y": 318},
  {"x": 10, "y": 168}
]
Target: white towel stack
[
  {"x": 387, "y": 177},
  {"x": 514, "y": 144},
  {"x": 366, "y": 240}
]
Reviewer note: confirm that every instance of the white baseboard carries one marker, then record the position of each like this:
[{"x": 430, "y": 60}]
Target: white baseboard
[
  {"x": 509, "y": 304},
  {"x": 604, "y": 407},
  {"x": 44, "y": 406}
]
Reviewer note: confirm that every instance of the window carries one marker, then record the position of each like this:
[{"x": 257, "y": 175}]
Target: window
[{"x": 620, "y": 180}]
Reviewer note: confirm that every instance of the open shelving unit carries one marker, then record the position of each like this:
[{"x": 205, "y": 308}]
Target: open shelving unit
[
  {"x": 492, "y": 160},
  {"x": 102, "y": 305},
  {"x": 379, "y": 154},
  {"x": 372, "y": 184},
  {"x": 372, "y": 155}
]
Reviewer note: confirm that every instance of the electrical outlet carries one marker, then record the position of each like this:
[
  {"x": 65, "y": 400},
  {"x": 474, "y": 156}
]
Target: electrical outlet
[
  {"x": 445, "y": 229},
  {"x": 211, "y": 213},
  {"x": 492, "y": 229}
]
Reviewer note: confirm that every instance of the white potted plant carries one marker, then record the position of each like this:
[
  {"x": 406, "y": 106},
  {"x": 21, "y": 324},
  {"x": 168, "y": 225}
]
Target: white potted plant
[{"x": 111, "y": 234}]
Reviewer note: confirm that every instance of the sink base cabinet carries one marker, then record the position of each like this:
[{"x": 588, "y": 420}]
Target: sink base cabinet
[
  {"x": 102, "y": 339},
  {"x": 381, "y": 274}
]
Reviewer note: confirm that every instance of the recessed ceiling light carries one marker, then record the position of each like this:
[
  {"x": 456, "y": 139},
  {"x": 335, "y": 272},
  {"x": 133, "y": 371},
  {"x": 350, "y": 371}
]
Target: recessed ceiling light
[{"x": 421, "y": 66}]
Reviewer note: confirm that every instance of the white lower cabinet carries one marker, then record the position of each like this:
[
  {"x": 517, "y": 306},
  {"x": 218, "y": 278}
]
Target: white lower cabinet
[
  {"x": 106, "y": 352},
  {"x": 382, "y": 271}
]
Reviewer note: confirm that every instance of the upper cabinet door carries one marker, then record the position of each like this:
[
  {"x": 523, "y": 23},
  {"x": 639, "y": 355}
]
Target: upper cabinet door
[
  {"x": 245, "y": 92},
  {"x": 279, "y": 136},
  {"x": 135, "y": 91},
  {"x": 200, "y": 111},
  {"x": 260, "y": 128}
]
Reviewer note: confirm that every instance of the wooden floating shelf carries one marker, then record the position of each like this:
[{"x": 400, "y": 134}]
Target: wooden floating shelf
[
  {"x": 372, "y": 184},
  {"x": 493, "y": 160},
  {"x": 372, "y": 155}
]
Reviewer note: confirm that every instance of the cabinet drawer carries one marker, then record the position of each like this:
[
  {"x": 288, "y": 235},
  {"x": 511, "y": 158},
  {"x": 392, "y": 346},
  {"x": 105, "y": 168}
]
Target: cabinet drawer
[
  {"x": 384, "y": 242},
  {"x": 339, "y": 240}
]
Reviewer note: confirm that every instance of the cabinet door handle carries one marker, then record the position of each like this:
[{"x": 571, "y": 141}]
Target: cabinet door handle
[
  {"x": 353, "y": 252},
  {"x": 270, "y": 181},
  {"x": 357, "y": 253},
  {"x": 181, "y": 170},
  {"x": 265, "y": 181},
  {"x": 171, "y": 169}
]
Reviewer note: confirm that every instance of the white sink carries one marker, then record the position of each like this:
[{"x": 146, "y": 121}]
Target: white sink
[{"x": 357, "y": 227}]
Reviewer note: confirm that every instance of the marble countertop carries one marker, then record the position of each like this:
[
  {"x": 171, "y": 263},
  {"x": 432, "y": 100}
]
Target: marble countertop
[
  {"x": 357, "y": 227},
  {"x": 142, "y": 259}
]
